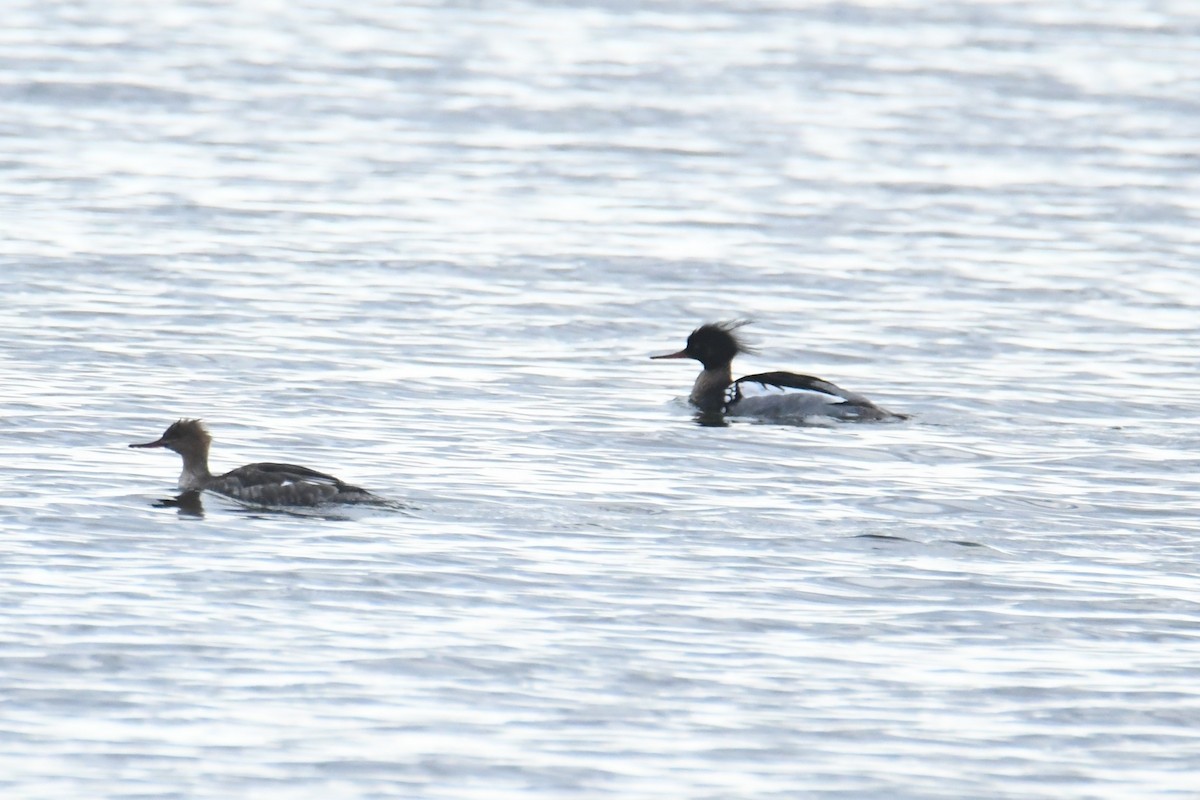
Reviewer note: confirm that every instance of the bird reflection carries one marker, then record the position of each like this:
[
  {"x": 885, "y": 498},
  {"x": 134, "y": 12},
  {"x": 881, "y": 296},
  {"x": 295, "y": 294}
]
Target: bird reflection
[
  {"x": 188, "y": 503},
  {"x": 707, "y": 419}
]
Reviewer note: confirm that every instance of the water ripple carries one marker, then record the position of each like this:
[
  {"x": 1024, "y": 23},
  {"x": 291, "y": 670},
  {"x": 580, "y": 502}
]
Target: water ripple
[{"x": 430, "y": 249}]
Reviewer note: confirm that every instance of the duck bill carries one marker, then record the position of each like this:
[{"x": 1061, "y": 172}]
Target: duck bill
[
  {"x": 680, "y": 354},
  {"x": 155, "y": 443}
]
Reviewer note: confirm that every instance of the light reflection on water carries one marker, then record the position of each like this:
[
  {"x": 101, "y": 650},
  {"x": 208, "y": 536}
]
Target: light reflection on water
[{"x": 429, "y": 250}]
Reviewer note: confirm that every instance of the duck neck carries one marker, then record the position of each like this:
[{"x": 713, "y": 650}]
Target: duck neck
[
  {"x": 708, "y": 393},
  {"x": 195, "y": 475}
]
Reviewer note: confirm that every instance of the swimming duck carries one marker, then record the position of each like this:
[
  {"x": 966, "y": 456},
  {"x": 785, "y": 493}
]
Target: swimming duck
[
  {"x": 263, "y": 484},
  {"x": 771, "y": 395}
]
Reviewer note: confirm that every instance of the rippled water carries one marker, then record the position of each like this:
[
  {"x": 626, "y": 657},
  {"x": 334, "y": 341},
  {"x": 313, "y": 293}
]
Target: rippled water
[{"x": 429, "y": 249}]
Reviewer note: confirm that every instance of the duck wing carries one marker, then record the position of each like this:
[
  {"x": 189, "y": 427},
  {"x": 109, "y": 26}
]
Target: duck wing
[
  {"x": 789, "y": 395},
  {"x": 783, "y": 382},
  {"x": 284, "y": 485}
]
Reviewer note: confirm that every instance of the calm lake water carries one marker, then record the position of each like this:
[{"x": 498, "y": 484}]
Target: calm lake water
[{"x": 429, "y": 249}]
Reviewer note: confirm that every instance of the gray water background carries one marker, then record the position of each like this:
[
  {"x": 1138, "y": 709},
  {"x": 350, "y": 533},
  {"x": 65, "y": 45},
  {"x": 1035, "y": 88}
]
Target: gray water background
[{"x": 428, "y": 248}]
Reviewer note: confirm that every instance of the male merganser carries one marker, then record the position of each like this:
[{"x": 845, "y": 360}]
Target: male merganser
[
  {"x": 779, "y": 395},
  {"x": 263, "y": 484}
]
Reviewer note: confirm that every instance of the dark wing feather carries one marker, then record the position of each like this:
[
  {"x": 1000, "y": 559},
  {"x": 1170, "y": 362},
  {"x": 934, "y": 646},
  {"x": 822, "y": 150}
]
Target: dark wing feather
[
  {"x": 266, "y": 472},
  {"x": 792, "y": 380},
  {"x": 285, "y": 484},
  {"x": 848, "y": 405}
]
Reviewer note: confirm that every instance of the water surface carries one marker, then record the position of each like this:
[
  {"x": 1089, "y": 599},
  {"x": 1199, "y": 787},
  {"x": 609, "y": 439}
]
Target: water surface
[{"x": 429, "y": 249}]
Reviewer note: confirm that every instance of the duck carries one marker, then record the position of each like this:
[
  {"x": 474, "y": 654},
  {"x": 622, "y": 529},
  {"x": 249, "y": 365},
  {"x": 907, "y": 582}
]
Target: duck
[
  {"x": 766, "y": 395},
  {"x": 266, "y": 484}
]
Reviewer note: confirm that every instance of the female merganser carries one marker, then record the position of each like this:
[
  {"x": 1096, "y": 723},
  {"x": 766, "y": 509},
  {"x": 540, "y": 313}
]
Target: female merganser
[
  {"x": 263, "y": 484},
  {"x": 779, "y": 395}
]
